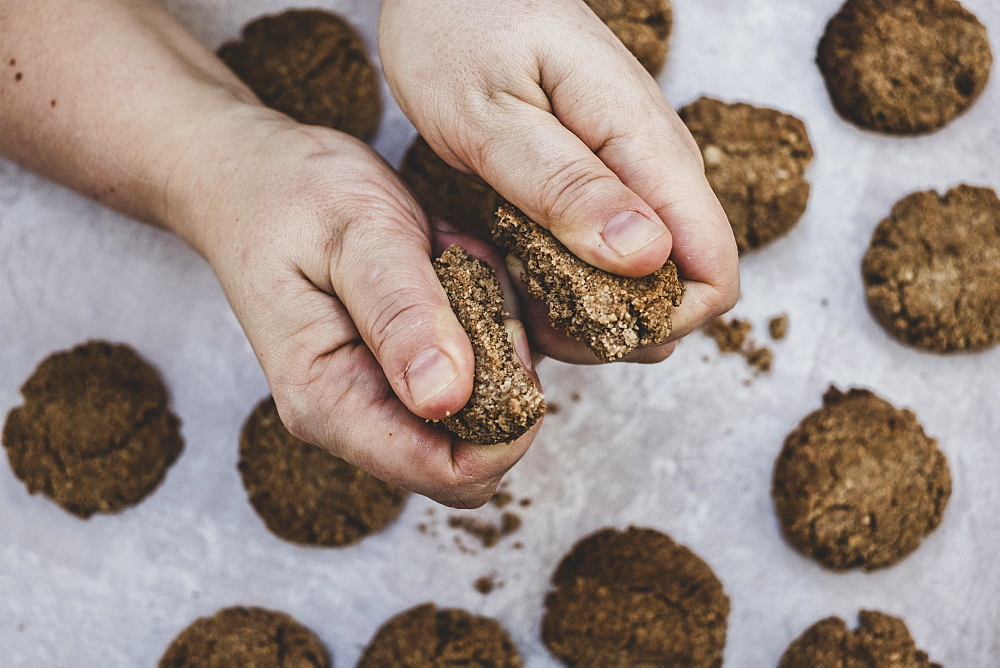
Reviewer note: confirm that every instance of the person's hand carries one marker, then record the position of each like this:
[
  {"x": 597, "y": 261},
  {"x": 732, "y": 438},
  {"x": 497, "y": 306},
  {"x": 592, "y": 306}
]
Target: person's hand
[
  {"x": 541, "y": 101},
  {"x": 325, "y": 258}
]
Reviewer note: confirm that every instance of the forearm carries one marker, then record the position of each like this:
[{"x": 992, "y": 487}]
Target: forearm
[{"x": 115, "y": 99}]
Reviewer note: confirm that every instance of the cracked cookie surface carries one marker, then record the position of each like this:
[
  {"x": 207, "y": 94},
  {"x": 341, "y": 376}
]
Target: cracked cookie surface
[
  {"x": 240, "y": 636},
  {"x": 306, "y": 495},
  {"x": 906, "y": 66},
  {"x": 879, "y": 640},
  {"x": 858, "y": 483},
  {"x": 755, "y": 160},
  {"x": 429, "y": 636},
  {"x": 95, "y": 433},
  {"x": 643, "y": 26},
  {"x": 932, "y": 270},
  {"x": 635, "y": 598},
  {"x": 311, "y": 65}
]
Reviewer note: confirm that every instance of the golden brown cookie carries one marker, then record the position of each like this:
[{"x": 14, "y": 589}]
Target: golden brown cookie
[
  {"x": 444, "y": 192},
  {"x": 932, "y": 270},
  {"x": 306, "y": 495},
  {"x": 643, "y": 26},
  {"x": 635, "y": 598},
  {"x": 428, "y": 636},
  {"x": 311, "y": 65},
  {"x": 904, "y": 67},
  {"x": 613, "y": 315},
  {"x": 755, "y": 161},
  {"x": 505, "y": 402},
  {"x": 246, "y": 637},
  {"x": 858, "y": 482},
  {"x": 95, "y": 433},
  {"x": 880, "y": 641}
]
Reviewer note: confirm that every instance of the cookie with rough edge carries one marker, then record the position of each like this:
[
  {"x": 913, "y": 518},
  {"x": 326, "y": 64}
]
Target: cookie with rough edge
[
  {"x": 858, "y": 484},
  {"x": 505, "y": 401},
  {"x": 643, "y": 26}
]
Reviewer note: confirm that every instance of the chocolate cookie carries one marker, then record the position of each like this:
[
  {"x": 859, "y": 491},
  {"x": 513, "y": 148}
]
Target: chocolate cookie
[
  {"x": 635, "y": 598},
  {"x": 904, "y": 67},
  {"x": 95, "y": 433},
  {"x": 858, "y": 483},
  {"x": 306, "y": 495},
  {"x": 613, "y": 315},
  {"x": 932, "y": 270},
  {"x": 311, "y": 65},
  {"x": 427, "y": 636},
  {"x": 755, "y": 159},
  {"x": 444, "y": 192},
  {"x": 880, "y": 640},
  {"x": 643, "y": 26},
  {"x": 505, "y": 402},
  {"x": 246, "y": 637}
]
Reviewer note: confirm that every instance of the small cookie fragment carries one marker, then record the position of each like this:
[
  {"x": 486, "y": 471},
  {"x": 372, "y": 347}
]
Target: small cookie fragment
[
  {"x": 306, "y": 495},
  {"x": 428, "y": 636},
  {"x": 311, "y": 65},
  {"x": 612, "y": 315},
  {"x": 734, "y": 337},
  {"x": 879, "y": 640},
  {"x": 777, "y": 326},
  {"x": 643, "y": 26},
  {"x": 858, "y": 483},
  {"x": 904, "y": 67},
  {"x": 755, "y": 160},
  {"x": 95, "y": 433},
  {"x": 240, "y": 636},
  {"x": 505, "y": 402},
  {"x": 635, "y": 598},
  {"x": 444, "y": 192},
  {"x": 932, "y": 270}
]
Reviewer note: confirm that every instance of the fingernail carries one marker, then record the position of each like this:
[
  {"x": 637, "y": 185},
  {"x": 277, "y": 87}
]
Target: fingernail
[
  {"x": 519, "y": 339},
  {"x": 628, "y": 232},
  {"x": 428, "y": 375},
  {"x": 515, "y": 267}
]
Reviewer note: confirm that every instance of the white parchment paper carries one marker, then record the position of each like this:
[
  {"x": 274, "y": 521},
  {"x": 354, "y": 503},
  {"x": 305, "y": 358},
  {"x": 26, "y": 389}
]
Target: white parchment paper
[{"x": 686, "y": 447}]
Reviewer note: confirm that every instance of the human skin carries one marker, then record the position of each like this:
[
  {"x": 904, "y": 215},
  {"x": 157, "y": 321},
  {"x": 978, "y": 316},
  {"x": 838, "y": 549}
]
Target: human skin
[{"x": 322, "y": 252}]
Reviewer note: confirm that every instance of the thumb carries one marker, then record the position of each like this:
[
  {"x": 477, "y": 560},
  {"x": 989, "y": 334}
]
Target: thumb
[{"x": 382, "y": 273}]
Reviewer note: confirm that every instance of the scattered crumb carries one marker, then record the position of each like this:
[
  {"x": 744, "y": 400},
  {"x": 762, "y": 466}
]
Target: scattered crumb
[
  {"x": 485, "y": 584},
  {"x": 759, "y": 358},
  {"x": 824, "y": 302},
  {"x": 552, "y": 408},
  {"x": 422, "y": 528},
  {"x": 734, "y": 337},
  {"x": 575, "y": 396},
  {"x": 509, "y": 523},
  {"x": 488, "y": 534},
  {"x": 461, "y": 546},
  {"x": 518, "y": 545},
  {"x": 501, "y": 499},
  {"x": 430, "y": 511},
  {"x": 524, "y": 503},
  {"x": 778, "y": 326},
  {"x": 706, "y": 358}
]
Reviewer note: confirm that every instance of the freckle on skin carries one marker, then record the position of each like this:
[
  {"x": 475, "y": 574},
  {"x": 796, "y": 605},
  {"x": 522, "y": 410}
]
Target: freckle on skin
[
  {"x": 13, "y": 62},
  {"x": 52, "y": 103},
  {"x": 18, "y": 76}
]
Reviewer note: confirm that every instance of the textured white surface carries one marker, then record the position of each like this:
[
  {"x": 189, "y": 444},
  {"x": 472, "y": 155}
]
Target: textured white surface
[{"x": 686, "y": 447}]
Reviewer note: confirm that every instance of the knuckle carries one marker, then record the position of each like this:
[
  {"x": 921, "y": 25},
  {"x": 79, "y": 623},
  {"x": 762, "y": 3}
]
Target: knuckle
[
  {"x": 569, "y": 188},
  {"x": 399, "y": 319}
]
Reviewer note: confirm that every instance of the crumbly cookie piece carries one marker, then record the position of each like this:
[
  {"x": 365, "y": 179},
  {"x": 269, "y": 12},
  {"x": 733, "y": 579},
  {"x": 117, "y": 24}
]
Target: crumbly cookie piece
[
  {"x": 95, "y": 433},
  {"x": 635, "y": 598},
  {"x": 932, "y": 270},
  {"x": 306, "y": 495},
  {"x": 240, "y": 636},
  {"x": 444, "y": 192},
  {"x": 879, "y": 640},
  {"x": 311, "y": 65},
  {"x": 643, "y": 26},
  {"x": 755, "y": 161},
  {"x": 612, "y": 315},
  {"x": 858, "y": 482},
  {"x": 428, "y": 636},
  {"x": 505, "y": 402},
  {"x": 904, "y": 67}
]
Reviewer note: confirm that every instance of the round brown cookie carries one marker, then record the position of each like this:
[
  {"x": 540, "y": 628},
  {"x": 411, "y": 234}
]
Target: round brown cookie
[
  {"x": 879, "y": 640},
  {"x": 643, "y": 26},
  {"x": 635, "y": 598},
  {"x": 858, "y": 483},
  {"x": 444, "y": 192},
  {"x": 246, "y": 637},
  {"x": 932, "y": 270},
  {"x": 311, "y": 65},
  {"x": 306, "y": 495},
  {"x": 755, "y": 159},
  {"x": 904, "y": 67},
  {"x": 95, "y": 433},
  {"x": 427, "y": 636}
]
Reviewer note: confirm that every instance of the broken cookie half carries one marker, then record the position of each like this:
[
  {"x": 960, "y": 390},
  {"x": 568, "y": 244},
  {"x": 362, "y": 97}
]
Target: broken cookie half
[
  {"x": 505, "y": 402},
  {"x": 613, "y": 315}
]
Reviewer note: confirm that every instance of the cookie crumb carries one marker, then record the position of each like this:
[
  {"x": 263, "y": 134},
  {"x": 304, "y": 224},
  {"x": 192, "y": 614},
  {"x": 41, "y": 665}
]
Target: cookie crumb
[
  {"x": 552, "y": 408},
  {"x": 485, "y": 584},
  {"x": 524, "y": 503},
  {"x": 778, "y": 326},
  {"x": 509, "y": 523},
  {"x": 501, "y": 499},
  {"x": 575, "y": 397},
  {"x": 734, "y": 337}
]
